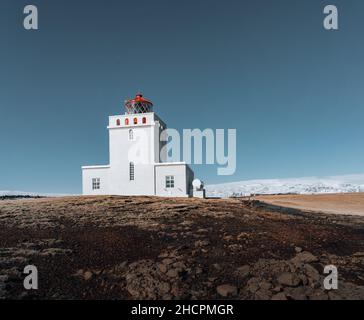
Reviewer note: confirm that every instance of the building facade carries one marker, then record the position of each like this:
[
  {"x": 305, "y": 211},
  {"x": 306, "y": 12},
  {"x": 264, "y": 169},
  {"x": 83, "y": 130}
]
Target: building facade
[{"x": 136, "y": 164}]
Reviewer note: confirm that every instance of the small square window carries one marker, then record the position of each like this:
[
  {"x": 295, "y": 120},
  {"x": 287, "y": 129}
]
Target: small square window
[
  {"x": 169, "y": 182},
  {"x": 95, "y": 183}
]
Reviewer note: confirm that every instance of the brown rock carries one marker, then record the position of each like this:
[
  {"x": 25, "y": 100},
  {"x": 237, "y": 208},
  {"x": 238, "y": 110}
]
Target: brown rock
[
  {"x": 263, "y": 294},
  {"x": 167, "y": 261},
  {"x": 201, "y": 243},
  {"x": 243, "y": 271},
  {"x": 172, "y": 273},
  {"x": 217, "y": 266},
  {"x": 226, "y": 290},
  {"x": 265, "y": 285},
  {"x": 164, "y": 287},
  {"x": 198, "y": 270},
  {"x": 242, "y": 235},
  {"x": 202, "y": 230},
  {"x": 289, "y": 279},
  {"x": 277, "y": 289},
  {"x": 304, "y": 257},
  {"x": 253, "y": 285},
  {"x": 312, "y": 274},
  {"x": 304, "y": 279},
  {"x": 79, "y": 273},
  {"x": 87, "y": 275},
  {"x": 179, "y": 265},
  {"x": 228, "y": 238},
  {"x": 162, "y": 268}
]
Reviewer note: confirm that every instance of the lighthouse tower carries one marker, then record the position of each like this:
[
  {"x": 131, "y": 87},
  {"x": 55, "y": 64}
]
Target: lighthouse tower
[{"x": 136, "y": 164}]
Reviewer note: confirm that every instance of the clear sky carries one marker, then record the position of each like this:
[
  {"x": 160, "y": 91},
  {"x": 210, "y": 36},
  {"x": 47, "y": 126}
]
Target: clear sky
[{"x": 293, "y": 90}]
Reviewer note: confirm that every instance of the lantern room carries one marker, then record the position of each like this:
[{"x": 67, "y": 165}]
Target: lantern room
[{"x": 138, "y": 105}]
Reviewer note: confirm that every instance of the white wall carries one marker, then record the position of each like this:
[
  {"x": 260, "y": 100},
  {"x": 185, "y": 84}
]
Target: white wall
[
  {"x": 149, "y": 177},
  {"x": 88, "y": 173},
  {"x": 120, "y": 158},
  {"x": 179, "y": 173}
]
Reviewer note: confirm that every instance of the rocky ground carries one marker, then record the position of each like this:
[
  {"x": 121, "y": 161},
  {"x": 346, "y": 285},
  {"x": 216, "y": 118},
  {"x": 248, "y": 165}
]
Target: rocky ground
[{"x": 112, "y": 247}]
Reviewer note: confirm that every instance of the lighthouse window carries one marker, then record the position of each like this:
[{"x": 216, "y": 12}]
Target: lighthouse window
[
  {"x": 131, "y": 134},
  {"x": 135, "y": 120},
  {"x": 126, "y": 122},
  {"x": 131, "y": 171},
  {"x": 118, "y": 122},
  {"x": 95, "y": 183},
  {"x": 144, "y": 120},
  {"x": 169, "y": 182}
]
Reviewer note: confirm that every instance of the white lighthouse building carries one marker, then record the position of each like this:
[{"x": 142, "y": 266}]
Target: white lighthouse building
[{"x": 136, "y": 163}]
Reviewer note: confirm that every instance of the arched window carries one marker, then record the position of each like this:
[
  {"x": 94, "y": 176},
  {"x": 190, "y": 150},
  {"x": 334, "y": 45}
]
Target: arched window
[
  {"x": 126, "y": 121},
  {"x": 131, "y": 171},
  {"x": 118, "y": 122},
  {"x": 131, "y": 134},
  {"x": 144, "y": 120},
  {"x": 135, "y": 120}
]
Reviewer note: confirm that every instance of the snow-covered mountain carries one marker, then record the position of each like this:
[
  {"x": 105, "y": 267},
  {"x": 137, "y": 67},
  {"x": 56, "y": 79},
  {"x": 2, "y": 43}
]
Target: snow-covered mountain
[{"x": 308, "y": 185}]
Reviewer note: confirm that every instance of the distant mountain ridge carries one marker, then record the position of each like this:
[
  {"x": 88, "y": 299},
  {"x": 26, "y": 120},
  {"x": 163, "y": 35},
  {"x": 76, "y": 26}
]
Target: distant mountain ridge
[
  {"x": 28, "y": 194},
  {"x": 306, "y": 185}
]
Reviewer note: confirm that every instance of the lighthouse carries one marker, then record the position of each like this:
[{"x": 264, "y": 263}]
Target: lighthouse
[{"x": 136, "y": 161}]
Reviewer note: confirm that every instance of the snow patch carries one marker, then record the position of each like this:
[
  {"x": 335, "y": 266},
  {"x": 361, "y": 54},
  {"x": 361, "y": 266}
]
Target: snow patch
[{"x": 307, "y": 185}]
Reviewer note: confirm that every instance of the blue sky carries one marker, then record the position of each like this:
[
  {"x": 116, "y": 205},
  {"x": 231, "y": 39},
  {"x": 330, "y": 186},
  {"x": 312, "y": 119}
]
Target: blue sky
[{"x": 293, "y": 90}]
